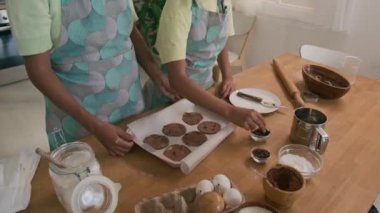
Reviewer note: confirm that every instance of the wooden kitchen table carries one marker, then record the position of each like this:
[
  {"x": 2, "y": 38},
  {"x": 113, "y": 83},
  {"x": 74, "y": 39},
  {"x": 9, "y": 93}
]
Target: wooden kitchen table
[{"x": 348, "y": 182}]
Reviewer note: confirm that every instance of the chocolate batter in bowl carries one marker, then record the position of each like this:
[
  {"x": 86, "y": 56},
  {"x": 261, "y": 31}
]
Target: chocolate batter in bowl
[{"x": 283, "y": 185}]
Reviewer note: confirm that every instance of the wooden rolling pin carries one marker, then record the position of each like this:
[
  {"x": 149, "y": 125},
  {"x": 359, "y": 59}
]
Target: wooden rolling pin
[{"x": 289, "y": 85}]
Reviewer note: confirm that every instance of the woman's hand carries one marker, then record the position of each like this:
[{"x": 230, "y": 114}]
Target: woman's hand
[
  {"x": 114, "y": 139},
  {"x": 162, "y": 83},
  {"x": 247, "y": 118},
  {"x": 226, "y": 88}
]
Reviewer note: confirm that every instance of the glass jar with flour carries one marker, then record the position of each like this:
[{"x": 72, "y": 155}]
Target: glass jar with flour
[{"x": 80, "y": 185}]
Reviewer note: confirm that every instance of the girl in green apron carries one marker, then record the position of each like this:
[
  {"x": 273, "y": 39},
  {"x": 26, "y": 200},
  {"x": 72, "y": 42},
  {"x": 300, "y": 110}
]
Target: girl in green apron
[
  {"x": 190, "y": 40},
  {"x": 90, "y": 78}
]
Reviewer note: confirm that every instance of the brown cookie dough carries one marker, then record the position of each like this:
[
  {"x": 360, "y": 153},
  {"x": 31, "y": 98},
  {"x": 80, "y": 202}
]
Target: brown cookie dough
[
  {"x": 174, "y": 129},
  {"x": 209, "y": 127},
  {"x": 157, "y": 141},
  {"x": 194, "y": 138},
  {"x": 192, "y": 118},
  {"x": 176, "y": 152}
]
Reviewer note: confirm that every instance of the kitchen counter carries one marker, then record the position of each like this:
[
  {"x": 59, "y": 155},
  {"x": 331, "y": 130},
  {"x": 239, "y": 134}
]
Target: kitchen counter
[
  {"x": 8, "y": 52},
  {"x": 348, "y": 181},
  {"x": 12, "y": 67}
]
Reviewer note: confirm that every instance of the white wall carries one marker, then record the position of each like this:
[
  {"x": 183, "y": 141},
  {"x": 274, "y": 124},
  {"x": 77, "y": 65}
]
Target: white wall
[
  {"x": 273, "y": 36},
  {"x": 364, "y": 39}
]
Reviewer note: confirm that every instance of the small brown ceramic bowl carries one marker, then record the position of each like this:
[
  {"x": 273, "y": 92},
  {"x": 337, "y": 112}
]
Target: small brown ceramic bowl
[
  {"x": 325, "y": 82},
  {"x": 254, "y": 204}
]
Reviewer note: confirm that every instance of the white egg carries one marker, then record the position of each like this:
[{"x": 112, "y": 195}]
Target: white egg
[
  {"x": 221, "y": 183},
  {"x": 232, "y": 197},
  {"x": 204, "y": 186}
]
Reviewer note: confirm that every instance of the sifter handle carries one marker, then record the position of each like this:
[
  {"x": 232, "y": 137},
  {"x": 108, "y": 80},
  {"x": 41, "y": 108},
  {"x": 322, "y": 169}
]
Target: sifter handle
[{"x": 322, "y": 140}]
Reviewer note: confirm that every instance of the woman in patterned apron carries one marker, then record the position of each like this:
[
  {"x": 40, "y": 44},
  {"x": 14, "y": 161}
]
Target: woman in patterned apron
[
  {"x": 90, "y": 79},
  {"x": 190, "y": 70}
]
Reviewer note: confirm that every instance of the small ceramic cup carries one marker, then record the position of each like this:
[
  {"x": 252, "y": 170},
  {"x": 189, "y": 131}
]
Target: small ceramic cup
[
  {"x": 260, "y": 155},
  {"x": 260, "y": 136}
]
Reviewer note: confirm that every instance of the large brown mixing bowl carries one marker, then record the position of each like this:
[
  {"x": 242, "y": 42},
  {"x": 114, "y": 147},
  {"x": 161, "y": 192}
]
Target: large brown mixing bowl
[{"x": 325, "y": 82}]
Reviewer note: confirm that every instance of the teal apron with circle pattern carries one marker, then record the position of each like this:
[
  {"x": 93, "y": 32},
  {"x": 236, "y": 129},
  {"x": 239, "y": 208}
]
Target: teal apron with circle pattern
[
  {"x": 207, "y": 37},
  {"x": 96, "y": 64}
]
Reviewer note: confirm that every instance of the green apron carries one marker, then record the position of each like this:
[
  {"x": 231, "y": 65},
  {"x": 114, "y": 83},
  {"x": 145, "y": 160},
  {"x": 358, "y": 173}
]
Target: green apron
[
  {"x": 207, "y": 37},
  {"x": 96, "y": 64}
]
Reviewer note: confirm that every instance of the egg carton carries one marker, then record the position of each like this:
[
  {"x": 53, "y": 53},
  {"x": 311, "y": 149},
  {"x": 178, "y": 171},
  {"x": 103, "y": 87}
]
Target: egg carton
[{"x": 181, "y": 200}]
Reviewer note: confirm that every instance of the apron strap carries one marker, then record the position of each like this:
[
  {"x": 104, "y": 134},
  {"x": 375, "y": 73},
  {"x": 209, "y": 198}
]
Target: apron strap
[
  {"x": 195, "y": 4},
  {"x": 222, "y": 8}
]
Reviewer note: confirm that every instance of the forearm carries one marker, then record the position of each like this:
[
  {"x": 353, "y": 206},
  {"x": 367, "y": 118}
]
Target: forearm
[
  {"x": 39, "y": 71},
  {"x": 224, "y": 64},
  {"x": 144, "y": 55},
  {"x": 193, "y": 92}
]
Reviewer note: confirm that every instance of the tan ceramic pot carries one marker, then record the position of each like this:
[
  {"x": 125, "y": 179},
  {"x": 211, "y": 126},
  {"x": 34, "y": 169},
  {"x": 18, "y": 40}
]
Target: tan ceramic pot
[{"x": 283, "y": 186}]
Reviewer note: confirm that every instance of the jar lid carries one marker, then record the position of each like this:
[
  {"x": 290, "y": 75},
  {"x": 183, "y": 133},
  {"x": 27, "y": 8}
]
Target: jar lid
[{"x": 95, "y": 193}]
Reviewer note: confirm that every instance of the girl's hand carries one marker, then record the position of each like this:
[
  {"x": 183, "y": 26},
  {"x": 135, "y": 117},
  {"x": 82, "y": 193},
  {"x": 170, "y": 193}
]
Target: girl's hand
[
  {"x": 226, "y": 88},
  {"x": 247, "y": 118},
  {"x": 162, "y": 83},
  {"x": 114, "y": 139}
]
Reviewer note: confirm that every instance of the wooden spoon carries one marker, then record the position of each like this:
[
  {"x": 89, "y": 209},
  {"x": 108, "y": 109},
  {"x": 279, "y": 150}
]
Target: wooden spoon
[{"x": 47, "y": 156}]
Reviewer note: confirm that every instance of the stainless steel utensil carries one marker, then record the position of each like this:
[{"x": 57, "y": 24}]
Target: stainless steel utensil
[
  {"x": 259, "y": 100},
  {"x": 308, "y": 129}
]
